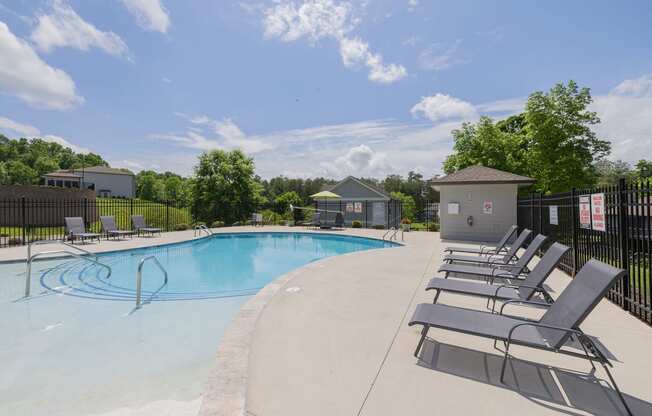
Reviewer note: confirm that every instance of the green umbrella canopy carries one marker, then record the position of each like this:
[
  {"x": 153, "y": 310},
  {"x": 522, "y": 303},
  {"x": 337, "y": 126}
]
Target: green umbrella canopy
[{"x": 325, "y": 195}]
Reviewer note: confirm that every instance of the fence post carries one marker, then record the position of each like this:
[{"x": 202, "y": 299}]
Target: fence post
[
  {"x": 540, "y": 230},
  {"x": 167, "y": 215},
  {"x": 23, "y": 211},
  {"x": 624, "y": 231},
  {"x": 532, "y": 211},
  {"x": 574, "y": 232}
]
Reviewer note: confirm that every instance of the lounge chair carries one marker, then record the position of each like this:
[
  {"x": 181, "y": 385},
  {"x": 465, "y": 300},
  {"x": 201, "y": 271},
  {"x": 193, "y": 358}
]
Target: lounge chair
[
  {"x": 140, "y": 226},
  {"x": 75, "y": 229},
  {"x": 257, "y": 219},
  {"x": 516, "y": 270},
  {"x": 339, "y": 220},
  {"x": 523, "y": 289},
  {"x": 509, "y": 257},
  {"x": 111, "y": 230},
  {"x": 560, "y": 322},
  {"x": 500, "y": 247},
  {"x": 315, "y": 222}
]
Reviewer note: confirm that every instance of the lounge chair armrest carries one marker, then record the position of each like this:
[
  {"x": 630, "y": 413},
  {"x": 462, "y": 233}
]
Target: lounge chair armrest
[
  {"x": 495, "y": 295},
  {"x": 571, "y": 331},
  {"x": 523, "y": 302}
]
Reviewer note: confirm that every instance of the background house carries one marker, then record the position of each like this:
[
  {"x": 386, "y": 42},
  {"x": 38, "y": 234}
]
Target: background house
[
  {"x": 364, "y": 202},
  {"x": 478, "y": 203},
  {"x": 105, "y": 181}
]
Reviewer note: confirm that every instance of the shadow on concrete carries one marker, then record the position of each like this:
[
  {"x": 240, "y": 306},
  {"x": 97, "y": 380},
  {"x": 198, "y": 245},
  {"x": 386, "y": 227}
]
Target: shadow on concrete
[{"x": 563, "y": 390}]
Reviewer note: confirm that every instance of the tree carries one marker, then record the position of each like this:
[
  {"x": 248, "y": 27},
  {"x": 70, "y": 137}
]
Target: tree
[
  {"x": 644, "y": 169},
  {"x": 4, "y": 175},
  {"x": 551, "y": 141},
  {"x": 608, "y": 172},
  {"x": 224, "y": 187},
  {"x": 149, "y": 186},
  {"x": 44, "y": 165},
  {"x": 20, "y": 174},
  {"x": 282, "y": 202},
  {"x": 409, "y": 206}
]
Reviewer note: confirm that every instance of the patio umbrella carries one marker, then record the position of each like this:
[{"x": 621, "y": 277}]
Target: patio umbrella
[{"x": 326, "y": 195}]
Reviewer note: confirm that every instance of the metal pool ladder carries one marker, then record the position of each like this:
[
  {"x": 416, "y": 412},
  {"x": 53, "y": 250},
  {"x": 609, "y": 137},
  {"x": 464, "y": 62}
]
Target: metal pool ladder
[
  {"x": 30, "y": 258},
  {"x": 139, "y": 276},
  {"x": 391, "y": 234},
  {"x": 202, "y": 227}
]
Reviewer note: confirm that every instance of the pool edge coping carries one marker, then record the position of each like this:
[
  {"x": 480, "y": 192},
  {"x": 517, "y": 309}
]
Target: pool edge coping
[{"x": 225, "y": 388}]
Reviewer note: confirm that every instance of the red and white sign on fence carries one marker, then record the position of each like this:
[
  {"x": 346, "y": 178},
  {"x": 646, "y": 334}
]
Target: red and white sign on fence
[
  {"x": 585, "y": 211},
  {"x": 597, "y": 212}
]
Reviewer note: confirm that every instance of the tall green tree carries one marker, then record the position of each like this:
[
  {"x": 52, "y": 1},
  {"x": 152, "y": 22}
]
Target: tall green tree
[
  {"x": 551, "y": 141},
  {"x": 282, "y": 202},
  {"x": 224, "y": 187},
  {"x": 408, "y": 204},
  {"x": 644, "y": 169}
]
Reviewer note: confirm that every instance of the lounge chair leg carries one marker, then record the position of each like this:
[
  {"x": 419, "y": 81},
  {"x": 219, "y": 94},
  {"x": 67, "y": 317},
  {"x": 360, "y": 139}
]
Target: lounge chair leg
[
  {"x": 424, "y": 333},
  {"x": 588, "y": 357},
  {"x": 502, "y": 371},
  {"x": 436, "y": 296},
  {"x": 613, "y": 383}
]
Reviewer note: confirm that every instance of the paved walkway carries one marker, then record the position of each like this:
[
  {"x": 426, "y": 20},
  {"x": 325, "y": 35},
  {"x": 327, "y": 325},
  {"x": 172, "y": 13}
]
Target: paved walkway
[{"x": 338, "y": 343}]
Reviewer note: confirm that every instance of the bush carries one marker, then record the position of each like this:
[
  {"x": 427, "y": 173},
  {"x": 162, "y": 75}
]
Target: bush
[
  {"x": 217, "y": 224},
  {"x": 433, "y": 227},
  {"x": 406, "y": 221},
  {"x": 356, "y": 224},
  {"x": 378, "y": 227},
  {"x": 181, "y": 227}
]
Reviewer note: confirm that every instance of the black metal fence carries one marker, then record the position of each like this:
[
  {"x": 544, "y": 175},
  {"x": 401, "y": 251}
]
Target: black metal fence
[
  {"x": 369, "y": 213},
  {"x": 23, "y": 220},
  {"x": 612, "y": 224}
]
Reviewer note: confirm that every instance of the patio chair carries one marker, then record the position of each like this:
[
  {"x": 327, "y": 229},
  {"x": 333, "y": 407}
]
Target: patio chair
[
  {"x": 315, "y": 222},
  {"x": 559, "y": 323},
  {"x": 498, "y": 258},
  {"x": 138, "y": 221},
  {"x": 111, "y": 230},
  {"x": 75, "y": 229},
  {"x": 257, "y": 219},
  {"x": 523, "y": 289},
  {"x": 516, "y": 270},
  {"x": 500, "y": 247}
]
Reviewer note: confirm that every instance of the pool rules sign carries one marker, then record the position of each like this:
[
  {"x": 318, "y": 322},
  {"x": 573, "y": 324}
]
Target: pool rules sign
[
  {"x": 597, "y": 212},
  {"x": 585, "y": 211}
]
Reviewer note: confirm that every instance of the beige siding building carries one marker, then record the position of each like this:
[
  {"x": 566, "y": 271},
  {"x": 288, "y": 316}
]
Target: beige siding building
[{"x": 478, "y": 203}]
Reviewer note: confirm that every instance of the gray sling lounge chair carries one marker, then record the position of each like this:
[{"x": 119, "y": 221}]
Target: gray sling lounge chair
[
  {"x": 140, "y": 227},
  {"x": 516, "y": 270},
  {"x": 75, "y": 229},
  {"x": 523, "y": 290},
  {"x": 501, "y": 246},
  {"x": 111, "y": 230},
  {"x": 509, "y": 257},
  {"x": 560, "y": 322}
]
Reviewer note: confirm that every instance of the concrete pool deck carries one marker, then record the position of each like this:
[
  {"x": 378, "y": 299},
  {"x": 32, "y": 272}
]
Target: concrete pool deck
[{"x": 332, "y": 339}]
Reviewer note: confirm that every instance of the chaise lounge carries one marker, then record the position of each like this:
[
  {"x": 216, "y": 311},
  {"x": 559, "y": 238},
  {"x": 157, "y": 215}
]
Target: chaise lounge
[
  {"x": 75, "y": 229},
  {"x": 140, "y": 226},
  {"x": 559, "y": 323},
  {"x": 509, "y": 257},
  {"x": 501, "y": 246},
  {"x": 111, "y": 229}
]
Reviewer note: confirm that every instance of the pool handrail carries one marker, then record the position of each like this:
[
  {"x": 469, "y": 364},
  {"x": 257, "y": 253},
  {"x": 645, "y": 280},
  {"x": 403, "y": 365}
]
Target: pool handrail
[
  {"x": 201, "y": 227},
  {"x": 139, "y": 276},
  {"x": 28, "y": 272}
]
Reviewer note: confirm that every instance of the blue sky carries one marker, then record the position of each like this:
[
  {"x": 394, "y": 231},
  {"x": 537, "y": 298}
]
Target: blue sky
[{"x": 315, "y": 87}]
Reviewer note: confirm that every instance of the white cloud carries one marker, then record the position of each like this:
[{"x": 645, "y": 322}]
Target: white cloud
[
  {"x": 508, "y": 106},
  {"x": 441, "y": 107},
  {"x": 166, "y": 80},
  {"x": 65, "y": 143},
  {"x": 64, "y": 28},
  {"x": 625, "y": 113},
  {"x": 411, "y": 41},
  {"x": 412, "y": 5},
  {"x": 439, "y": 57},
  {"x": 24, "y": 75},
  {"x": 359, "y": 160},
  {"x": 150, "y": 14},
  {"x": 20, "y": 128},
  {"x": 317, "y": 19}
]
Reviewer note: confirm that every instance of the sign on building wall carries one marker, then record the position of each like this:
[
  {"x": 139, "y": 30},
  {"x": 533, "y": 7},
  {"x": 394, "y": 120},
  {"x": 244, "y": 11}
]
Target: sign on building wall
[
  {"x": 357, "y": 207},
  {"x": 454, "y": 208},
  {"x": 585, "y": 211},
  {"x": 597, "y": 212},
  {"x": 554, "y": 215},
  {"x": 349, "y": 207},
  {"x": 488, "y": 207}
]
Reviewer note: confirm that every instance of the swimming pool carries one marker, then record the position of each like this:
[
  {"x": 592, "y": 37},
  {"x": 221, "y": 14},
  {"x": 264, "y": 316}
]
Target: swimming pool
[{"x": 77, "y": 346}]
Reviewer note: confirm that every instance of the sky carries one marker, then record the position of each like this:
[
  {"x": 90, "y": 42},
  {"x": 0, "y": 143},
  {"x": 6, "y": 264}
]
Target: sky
[{"x": 311, "y": 87}]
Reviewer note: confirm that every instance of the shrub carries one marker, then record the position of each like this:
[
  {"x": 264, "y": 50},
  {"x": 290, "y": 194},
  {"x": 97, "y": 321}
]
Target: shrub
[
  {"x": 181, "y": 227},
  {"x": 356, "y": 224},
  {"x": 15, "y": 241},
  {"x": 406, "y": 221},
  {"x": 217, "y": 224},
  {"x": 433, "y": 227},
  {"x": 378, "y": 227}
]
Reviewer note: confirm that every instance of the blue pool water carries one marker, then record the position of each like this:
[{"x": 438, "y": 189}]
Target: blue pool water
[{"x": 78, "y": 347}]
